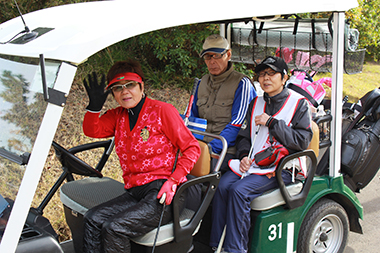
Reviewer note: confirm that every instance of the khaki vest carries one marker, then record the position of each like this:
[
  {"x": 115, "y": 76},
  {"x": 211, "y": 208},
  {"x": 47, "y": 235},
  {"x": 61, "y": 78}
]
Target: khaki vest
[{"x": 215, "y": 98}]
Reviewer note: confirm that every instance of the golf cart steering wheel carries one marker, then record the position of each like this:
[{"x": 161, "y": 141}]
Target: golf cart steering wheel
[{"x": 73, "y": 164}]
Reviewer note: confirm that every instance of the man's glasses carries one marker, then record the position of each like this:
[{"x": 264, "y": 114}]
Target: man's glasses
[
  {"x": 119, "y": 87},
  {"x": 270, "y": 73},
  {"x": 208, "y": 57}
]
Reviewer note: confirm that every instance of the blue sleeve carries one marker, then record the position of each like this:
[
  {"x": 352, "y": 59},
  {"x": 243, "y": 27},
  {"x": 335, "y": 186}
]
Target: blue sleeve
[{"x": 243, "y": 96}]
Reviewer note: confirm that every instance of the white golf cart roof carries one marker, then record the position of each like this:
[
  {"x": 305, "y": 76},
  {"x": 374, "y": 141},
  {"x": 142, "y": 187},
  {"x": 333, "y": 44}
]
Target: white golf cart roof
[
  {"x": 80, "y": 30},
  {"x": 72, "y": 33}
]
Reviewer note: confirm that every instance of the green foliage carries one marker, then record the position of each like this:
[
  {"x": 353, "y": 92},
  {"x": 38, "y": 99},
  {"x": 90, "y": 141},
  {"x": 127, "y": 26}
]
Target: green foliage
[
  {"x": 168, "y": 57},
  {"x": 9, "y": 9},
  {"x": 103, "y": 60},
  {"x": 245, "y": 69},
  {"x": 172, "y": 51},
  {"x": 365, "y": 18}
]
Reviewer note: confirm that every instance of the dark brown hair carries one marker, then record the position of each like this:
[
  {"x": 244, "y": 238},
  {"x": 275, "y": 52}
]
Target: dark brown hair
[{"x": 125, "y": 66}]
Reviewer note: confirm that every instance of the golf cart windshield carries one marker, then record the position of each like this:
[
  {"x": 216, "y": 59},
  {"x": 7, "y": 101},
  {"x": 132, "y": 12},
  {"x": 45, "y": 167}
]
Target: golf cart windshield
[{"x": 22, "y": 107}]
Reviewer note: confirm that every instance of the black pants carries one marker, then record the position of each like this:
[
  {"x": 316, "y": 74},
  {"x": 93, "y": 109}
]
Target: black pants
[{"x": 108, "y": 227}]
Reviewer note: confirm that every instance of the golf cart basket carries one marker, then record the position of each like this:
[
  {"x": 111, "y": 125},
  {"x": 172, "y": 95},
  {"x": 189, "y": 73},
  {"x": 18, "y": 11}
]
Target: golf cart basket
[{"x": 303, "y": 44}]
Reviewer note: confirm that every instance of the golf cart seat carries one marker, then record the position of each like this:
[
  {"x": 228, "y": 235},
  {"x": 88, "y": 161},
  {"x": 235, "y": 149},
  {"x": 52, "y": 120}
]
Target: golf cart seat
[
  {"x": 166, "y": 234},
  {"x": 294, "y": 194},
  {"x": 81, "y": 195}
]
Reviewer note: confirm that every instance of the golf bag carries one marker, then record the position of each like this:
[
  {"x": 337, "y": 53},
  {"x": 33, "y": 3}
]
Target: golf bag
[
  {"x": 303, "y": 83},
  {"x": 361, "y": 144}
]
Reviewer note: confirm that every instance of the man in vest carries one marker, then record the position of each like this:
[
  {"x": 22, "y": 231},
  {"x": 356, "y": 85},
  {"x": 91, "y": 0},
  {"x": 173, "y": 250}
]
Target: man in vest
[{"x": 222, "y": 96}]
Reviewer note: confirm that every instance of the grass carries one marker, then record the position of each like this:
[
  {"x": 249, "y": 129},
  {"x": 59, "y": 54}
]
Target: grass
[
  {"x": 357, "y": 85},
  {"x": 69, "y": 132}
]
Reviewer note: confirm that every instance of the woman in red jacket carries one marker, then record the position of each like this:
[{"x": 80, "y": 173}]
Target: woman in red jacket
[{"x": 147, "y": 134}]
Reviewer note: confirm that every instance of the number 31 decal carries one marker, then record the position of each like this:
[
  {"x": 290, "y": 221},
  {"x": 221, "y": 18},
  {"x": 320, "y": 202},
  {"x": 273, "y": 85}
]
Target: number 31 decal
[
  {"x": 276, "y": 232},
  {"x": 273, "y": 231}
]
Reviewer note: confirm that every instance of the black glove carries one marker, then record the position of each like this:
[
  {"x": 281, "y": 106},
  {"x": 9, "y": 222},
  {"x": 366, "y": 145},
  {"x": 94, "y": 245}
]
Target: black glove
[{"x": 96, "y": 93}]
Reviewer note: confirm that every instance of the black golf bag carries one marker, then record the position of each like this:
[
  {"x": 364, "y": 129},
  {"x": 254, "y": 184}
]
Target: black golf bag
[{"x": 361, "y": 143}]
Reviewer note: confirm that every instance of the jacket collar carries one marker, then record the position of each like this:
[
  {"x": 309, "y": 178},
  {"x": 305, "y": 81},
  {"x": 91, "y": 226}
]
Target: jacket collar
[
  {"x": 220, "y": 78},
  {"x": 275, "y": 103}
]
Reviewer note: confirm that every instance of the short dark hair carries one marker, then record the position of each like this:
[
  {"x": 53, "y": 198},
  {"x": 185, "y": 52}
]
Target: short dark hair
[{"x": 129, "y": 65}]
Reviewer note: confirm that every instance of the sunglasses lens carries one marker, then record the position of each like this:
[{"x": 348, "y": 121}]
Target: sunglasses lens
[{"x": 128, "y": 86}]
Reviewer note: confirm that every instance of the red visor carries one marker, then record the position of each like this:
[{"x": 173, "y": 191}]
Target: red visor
[{"x": 128, "y": 76}]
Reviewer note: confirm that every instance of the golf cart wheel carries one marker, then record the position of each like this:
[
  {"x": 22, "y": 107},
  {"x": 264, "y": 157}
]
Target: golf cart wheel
[{"x": 324, "y": 229}]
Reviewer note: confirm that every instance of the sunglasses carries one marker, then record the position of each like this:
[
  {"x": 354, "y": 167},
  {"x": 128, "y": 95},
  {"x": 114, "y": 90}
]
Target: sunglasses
[
  {"x": 270, "y": 73},
  {"x": 119, "y": 87},
  {"x": 208, "y": 57}
]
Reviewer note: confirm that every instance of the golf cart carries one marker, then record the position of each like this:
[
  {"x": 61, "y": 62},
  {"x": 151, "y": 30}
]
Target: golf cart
[{"x": 38, "y": 61}]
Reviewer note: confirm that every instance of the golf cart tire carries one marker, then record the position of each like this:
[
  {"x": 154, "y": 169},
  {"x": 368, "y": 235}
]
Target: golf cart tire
[{"x": 324, "y": 229}]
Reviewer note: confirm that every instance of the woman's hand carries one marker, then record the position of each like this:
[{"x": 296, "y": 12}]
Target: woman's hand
[
  {"x": 245, "y": 163},
  {"x": 167, "y": 191},
  {"x": 96, "y": 92},
  {"x": 261, "y": 119}
]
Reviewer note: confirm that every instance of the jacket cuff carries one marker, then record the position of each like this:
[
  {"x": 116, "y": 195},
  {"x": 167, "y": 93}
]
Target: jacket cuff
[
  {"x": 243, "y": 154},
  {"x": 271, "y": 122},
  {"x": 178, "y": 174},
  {"x": 93, "y": 111}
]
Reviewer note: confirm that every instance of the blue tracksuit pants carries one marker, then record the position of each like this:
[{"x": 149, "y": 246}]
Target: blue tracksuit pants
[{"x": 231, "y": 207}]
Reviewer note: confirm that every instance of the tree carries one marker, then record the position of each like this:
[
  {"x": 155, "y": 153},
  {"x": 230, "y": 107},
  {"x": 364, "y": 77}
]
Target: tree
[{"x": 365, "y": 18}]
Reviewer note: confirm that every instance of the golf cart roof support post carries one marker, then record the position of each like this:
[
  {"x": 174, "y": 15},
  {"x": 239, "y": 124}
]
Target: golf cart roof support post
[
  {"x": 225, "y": 31},
  {"x": 337, "y": 93},
  {"x": 228, "y": 31},
  {"x": 222, "y": 30}
]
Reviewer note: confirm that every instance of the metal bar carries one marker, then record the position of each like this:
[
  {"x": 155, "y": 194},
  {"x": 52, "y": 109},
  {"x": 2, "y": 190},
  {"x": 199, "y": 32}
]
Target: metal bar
[{"x": 336, "y": 93}]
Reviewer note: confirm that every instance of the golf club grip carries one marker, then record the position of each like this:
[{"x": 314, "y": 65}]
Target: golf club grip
[{"x": 196, "y": 80}]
